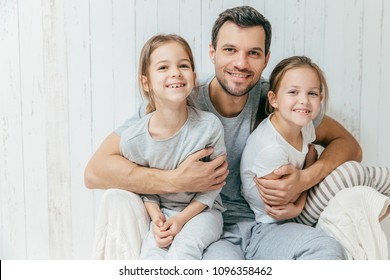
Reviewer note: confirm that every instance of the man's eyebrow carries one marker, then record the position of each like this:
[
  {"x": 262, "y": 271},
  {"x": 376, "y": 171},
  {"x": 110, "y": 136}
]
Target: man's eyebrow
[{"x": 233, "y": 46}]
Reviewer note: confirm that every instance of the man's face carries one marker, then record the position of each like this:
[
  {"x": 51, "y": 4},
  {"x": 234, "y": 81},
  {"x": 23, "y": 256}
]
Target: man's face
[{"x": 239, "y": 57}]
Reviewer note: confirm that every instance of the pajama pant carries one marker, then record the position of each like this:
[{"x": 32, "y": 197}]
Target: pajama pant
[
  {"x": 347, "y": 175},
  {"x": 195, "y": 236}
]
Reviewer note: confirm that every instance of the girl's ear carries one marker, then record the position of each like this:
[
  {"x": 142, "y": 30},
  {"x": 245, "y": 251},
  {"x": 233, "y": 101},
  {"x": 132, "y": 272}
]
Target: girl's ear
[
  {"x": 272, "y": 99},
  {"x": 144, "y": 83}
]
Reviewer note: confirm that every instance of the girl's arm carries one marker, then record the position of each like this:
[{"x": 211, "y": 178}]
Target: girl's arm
[
  {"x": 175, "y": 224},
  {"x": 163, "y": 238}
]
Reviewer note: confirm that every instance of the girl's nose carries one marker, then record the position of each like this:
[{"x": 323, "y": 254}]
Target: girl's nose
[{"x": 176, "y": 72}]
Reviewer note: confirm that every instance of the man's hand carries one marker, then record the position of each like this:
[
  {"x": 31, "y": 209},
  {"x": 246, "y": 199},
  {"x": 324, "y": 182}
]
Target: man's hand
[
  {"x": 288, "y": 211},
  {"x": 194, "y": 175},
  {"x": 284, "y": 190}
]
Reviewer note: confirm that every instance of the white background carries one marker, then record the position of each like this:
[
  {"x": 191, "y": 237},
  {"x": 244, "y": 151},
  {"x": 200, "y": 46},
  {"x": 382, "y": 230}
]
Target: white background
[{"x": 68, "y": 78}]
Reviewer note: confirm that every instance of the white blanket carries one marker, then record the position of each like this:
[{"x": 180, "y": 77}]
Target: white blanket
[
  {"x": 352, "y": 217},
  {"x": 121, "y": 226}
]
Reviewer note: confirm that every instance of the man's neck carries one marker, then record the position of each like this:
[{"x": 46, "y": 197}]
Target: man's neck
[{"x": 227, "y": 105}]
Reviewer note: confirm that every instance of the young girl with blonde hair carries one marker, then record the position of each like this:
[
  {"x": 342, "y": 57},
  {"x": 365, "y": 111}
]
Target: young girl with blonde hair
[
  {"x": 297, "y": 91},
  {"x": 182, "y": 224}
]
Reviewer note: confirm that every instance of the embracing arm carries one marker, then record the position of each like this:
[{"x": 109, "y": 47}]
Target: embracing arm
[
  {"x": 108, "y": 169},
  {"x": 340, "y": 146}
]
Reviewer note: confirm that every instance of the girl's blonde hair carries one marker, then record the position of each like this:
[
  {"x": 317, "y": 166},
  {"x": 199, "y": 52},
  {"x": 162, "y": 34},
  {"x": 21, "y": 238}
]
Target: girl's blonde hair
[
  {"x": 292, "y": 63},
  {"x": 144, "y": 62}
]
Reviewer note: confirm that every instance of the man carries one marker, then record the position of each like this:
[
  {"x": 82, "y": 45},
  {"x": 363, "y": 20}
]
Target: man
[{"x": 240, "y": 45}]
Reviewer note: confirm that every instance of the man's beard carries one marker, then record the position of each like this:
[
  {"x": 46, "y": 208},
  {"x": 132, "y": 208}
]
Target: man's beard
[{"x": 224, "y": 84}]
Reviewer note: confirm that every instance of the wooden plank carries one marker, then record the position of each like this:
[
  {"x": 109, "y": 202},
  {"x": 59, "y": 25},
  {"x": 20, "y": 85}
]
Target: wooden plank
[
  {"x": 348, "y": 112},
  {"x": 275, "y": 13},
  {"x": 315, "y": 30},
  {"x": 333, "y": 56},
  {"x": 33, "y": 104},
  {"x": 145, "y": 27},
  {"x": 125, "y": 72},
  {"x": 102, "y": 85},
  {"x": 80, "y": 122},
  {"x": 191, "y": 30},
  {"x": 210, "y": 11},
  {"x": 57, "y": 132},
  {"x": 12, "y": 221},
  {"x": 383, "y": 148},
  {"x": 227, "y": 4},
  {"x": 294, "y": 27},
  {"x": 369, "y": 125},
  {"x": 168, "y": 16}
]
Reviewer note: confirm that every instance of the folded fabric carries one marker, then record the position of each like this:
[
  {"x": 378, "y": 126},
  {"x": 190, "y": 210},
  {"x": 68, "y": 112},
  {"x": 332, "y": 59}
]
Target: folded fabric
[
  {"x": 352, "y": 217},
  {"x": 121, "y": 226}
]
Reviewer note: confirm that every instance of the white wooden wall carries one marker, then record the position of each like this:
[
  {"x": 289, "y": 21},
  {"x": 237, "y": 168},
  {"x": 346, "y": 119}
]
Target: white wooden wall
[{"x": 68, "y": 78}]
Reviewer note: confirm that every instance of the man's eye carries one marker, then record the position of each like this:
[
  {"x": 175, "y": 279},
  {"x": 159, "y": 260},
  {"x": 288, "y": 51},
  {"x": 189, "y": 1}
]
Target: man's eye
[{"x": 254, "y": 53}]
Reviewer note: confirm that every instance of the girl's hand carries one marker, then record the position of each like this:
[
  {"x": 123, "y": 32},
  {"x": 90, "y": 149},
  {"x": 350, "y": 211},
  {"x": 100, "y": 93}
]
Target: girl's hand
[
  {"x": 283, "y": 212},
  {"x": 163, "y": 238},
  {"x": 173, "y": 225}
]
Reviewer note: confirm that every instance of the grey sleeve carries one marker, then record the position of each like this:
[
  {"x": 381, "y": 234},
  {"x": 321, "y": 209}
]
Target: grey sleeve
[
  {"x": 207, "y": 198},
  {"x": 138, "y": 115},
  {"x": 151, "y": 198}
]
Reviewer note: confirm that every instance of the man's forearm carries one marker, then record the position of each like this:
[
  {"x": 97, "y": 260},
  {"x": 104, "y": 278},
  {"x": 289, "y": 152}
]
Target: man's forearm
[
  {"x": 335, "y": 154},
  {"x": 117, "y": 172},
  {"x": 340, "y": 146}
]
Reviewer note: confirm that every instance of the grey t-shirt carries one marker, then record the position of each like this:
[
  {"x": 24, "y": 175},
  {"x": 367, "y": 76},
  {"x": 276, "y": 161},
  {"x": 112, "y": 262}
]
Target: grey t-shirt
[{"x": 201, "y": 130}]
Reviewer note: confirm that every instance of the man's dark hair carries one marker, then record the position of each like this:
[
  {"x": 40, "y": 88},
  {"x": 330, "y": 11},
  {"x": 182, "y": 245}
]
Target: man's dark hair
[{"x": 243, "y": 16}]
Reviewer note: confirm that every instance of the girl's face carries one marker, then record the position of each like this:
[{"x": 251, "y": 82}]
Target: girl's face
[
  {"x": 170, "y": 77},
  {"x": 298, "y": 99}
]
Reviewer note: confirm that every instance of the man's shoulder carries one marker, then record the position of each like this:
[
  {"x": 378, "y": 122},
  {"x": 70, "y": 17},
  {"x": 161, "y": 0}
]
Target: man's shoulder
[
  {"x": 263, "y": 86},
  {"x": 205, "y": 117}
]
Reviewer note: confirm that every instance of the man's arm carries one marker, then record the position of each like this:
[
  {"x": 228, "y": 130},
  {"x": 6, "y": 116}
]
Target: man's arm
[
  {"x": 340, "y": 146},
  {"x": 108, "y": 169}
]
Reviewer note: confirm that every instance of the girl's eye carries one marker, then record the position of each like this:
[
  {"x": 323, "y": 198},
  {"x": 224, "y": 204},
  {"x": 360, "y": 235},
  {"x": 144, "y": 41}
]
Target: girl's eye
[
  {"x": 292, "y": 92},
  {"x": 162, "y": 67},
  {"x": 313, "y": 93},
  {"x": 184, "y": 66}
]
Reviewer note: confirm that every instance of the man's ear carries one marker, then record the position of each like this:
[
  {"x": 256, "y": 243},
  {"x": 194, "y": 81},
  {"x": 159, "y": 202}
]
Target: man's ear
[
  {"x": 144, "y": 83},
  {"x": 212, "y": 53}
]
